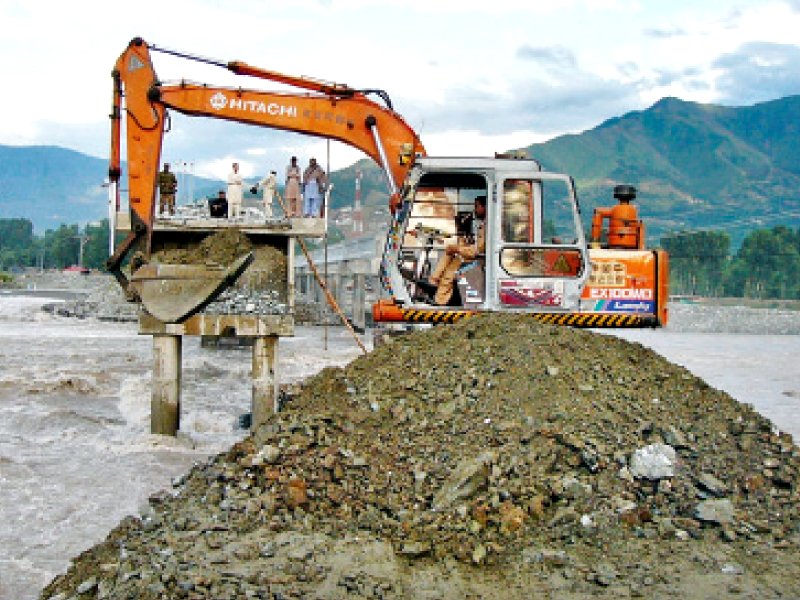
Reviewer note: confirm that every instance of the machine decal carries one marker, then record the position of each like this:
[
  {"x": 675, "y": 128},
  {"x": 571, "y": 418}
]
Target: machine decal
[
  {"x": 624, "y": 306},
  {"x": 620, "y": 294},
  {"x": 608, "y": 273},
  {"x": 436, "y": 316},
  {"x": 594, "y": 320},
  {"x": 541, "y": 262},
  {"x": 520, "y": 293},
  {"x": 220, "y": 101},
  {"x": 561, "y": 265},
  {"x": 134, "y": 64},
  {"x": 472, "y": 296},
  {"x": 625, "y": 285}
]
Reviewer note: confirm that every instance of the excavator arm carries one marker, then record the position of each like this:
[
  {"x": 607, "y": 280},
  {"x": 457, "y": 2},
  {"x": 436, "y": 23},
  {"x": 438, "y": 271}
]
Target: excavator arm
[
  {"x": 358, "y": 121},
  {"x": 326, "y": 110}
]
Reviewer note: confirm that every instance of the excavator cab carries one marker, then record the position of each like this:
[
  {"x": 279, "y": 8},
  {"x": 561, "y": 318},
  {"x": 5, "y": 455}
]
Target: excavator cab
[
  {"x": 442, "y": 214},
  {"x": 535, "y": 255}
]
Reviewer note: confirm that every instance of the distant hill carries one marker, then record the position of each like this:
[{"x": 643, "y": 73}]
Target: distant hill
[
  {"x": 696, "y": 166},
  {"x": 52, "y": 186}
]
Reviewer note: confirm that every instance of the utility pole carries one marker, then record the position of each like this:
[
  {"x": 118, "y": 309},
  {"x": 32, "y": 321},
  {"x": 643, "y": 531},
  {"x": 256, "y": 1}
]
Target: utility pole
[
  {"x": 82, "y": 239},
  {"x": 358, "y": 219},
  {"x": 191, "y": 183}
]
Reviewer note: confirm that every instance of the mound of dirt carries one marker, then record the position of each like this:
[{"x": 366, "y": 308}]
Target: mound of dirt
[
  {"x": 261, "y": 289},
  {"x": 494, "y": 458},
  {"x": 220, "y": 248}
]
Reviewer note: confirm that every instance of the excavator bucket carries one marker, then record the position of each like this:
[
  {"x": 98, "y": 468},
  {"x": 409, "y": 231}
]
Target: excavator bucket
[{"x": 173, "y": 293}]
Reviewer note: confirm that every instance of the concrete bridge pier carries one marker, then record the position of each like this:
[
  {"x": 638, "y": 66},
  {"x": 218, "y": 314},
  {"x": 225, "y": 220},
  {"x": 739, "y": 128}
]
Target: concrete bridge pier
[
  {"x": 359, "y": 299},
  {"x": 265, "y": 383},
  {"x": 165, "y": 400},
  {"x": 263, "y": 330}
]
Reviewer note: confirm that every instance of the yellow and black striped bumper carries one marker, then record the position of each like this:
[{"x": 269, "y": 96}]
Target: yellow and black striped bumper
[
  {"x": 591, "y": 320},
  {"x": 597, "y": 320}
]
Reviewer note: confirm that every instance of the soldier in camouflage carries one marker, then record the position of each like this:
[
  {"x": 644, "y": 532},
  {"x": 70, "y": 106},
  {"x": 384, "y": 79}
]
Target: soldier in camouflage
[{"x": 167, "y": 186}]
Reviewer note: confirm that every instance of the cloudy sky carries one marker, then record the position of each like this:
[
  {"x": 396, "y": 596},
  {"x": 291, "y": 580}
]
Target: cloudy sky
[{"x": 471, "y": 76}]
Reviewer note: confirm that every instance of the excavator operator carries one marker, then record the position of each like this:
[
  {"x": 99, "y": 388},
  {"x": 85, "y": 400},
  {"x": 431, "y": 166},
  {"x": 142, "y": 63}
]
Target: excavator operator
[{"x": 455, "y": 255}]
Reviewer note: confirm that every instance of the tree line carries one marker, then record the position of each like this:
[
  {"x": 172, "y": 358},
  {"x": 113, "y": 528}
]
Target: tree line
[
  {"x": 766, "y": 266},
  {"x": 56, "y": 249}
]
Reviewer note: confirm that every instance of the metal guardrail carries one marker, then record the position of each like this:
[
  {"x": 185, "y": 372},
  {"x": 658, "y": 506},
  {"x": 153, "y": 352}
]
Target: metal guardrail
[{"x": 362, "y": 254}]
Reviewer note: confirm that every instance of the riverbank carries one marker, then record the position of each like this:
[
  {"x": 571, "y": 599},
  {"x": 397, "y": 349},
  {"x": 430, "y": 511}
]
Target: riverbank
[
  {"x": 468, "y": 461},
  {"x": 77, "y": 457},
  {"x": 97, "y": 295},
  {"x": 745, "y": 302}
]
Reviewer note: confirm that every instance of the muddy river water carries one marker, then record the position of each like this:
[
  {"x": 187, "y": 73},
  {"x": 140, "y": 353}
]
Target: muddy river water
[{"x": 76, "y": 455}]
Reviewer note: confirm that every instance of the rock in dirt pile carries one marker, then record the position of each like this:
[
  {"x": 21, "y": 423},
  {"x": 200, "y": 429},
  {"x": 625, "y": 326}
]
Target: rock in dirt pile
[{"x": 494, "y": 458}]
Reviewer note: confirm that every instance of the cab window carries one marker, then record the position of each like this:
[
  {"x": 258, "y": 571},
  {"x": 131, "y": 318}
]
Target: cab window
[
  {"x": 518, "y": 213},
  {"x": 537, "y": 222}
]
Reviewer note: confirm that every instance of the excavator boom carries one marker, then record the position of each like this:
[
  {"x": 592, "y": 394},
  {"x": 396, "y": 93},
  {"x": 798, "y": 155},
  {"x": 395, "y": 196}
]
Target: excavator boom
[{"x": 349, "y": 120}]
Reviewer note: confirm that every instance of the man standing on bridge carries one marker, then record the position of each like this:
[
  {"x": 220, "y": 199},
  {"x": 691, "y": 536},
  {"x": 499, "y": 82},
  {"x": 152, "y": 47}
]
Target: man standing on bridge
[
  {"x": 167, "y": 186},
  {"x": 235, "y": 192},
  {"x": 314, "y": 182},
  {"x": 269, "y": 185}
]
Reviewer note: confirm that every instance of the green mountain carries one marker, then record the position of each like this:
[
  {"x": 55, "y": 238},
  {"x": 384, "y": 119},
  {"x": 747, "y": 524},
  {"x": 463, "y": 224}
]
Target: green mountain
[
  {"x": 696, "y": 166},
  {"x": 53, "y": 186}
]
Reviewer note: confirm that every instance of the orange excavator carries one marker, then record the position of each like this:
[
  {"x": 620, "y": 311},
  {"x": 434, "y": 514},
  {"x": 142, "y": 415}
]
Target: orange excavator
[
  {"x": 172, "y": 293},
  {"x": 536, "y": 257}
]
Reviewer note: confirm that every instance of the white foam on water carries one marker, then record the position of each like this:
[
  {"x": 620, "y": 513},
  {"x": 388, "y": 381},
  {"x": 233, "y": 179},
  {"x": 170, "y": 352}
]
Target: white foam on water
[
  {"x": 208, "y": 422},
  {"x": 134, "y": 401}
]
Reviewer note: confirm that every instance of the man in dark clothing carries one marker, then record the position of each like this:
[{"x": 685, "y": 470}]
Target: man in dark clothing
[{"x": 167, "y": 186}]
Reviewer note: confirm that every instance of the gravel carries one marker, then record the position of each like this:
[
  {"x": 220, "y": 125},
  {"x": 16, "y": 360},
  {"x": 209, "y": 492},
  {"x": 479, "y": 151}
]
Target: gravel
[{"x": 495, "y": 457}]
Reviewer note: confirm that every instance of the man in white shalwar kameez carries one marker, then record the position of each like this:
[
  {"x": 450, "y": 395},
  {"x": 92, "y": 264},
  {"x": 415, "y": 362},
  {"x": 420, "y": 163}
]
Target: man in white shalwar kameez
[
  {"x": 268, "y": 186},
  {"x": 235, "y": 193}
]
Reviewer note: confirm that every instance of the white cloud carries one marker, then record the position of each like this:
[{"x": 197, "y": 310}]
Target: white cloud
[
  {"x": 475, "y": 143},
  {"x": 470, "y": 76},
  {"x": 758, "y": 72}
]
